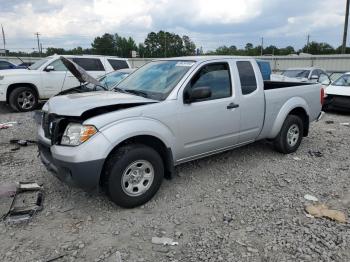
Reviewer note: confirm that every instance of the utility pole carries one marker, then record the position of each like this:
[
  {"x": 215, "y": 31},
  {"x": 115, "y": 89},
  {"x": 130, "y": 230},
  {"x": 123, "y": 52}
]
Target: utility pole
[
  {"x": 3, "y": 38},
  {"x": 262, "y": 46},
  {"x": 37, "y": 37},
  {"x": 345, "y": 35},
  {"x": 308, "y": 44}
]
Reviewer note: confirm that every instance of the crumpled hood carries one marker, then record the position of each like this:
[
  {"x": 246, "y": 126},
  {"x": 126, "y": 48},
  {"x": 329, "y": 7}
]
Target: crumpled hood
[{"x": 77, "y": 104}]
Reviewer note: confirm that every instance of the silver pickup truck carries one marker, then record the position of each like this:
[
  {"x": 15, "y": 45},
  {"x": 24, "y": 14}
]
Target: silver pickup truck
[{"x": 166, "y": 113}]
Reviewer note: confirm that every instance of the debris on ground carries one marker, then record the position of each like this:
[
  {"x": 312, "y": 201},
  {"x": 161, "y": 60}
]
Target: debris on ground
[
  {"x": 311, "y": 198},
  {"x": 21, "y": 142},
  {"x": 7, "y": 125},
  {"x": 118, "y": 257},
  {"x": 321, "y": 210},
  {"x": 20, "y": 202},
  {"x": 315, "y": 153},
  {"x": 345, "y": 124},
  {"x": 297, "y": 158},
  {"x": 165, "y": 241},
  {"x": 328, "y": 122}
]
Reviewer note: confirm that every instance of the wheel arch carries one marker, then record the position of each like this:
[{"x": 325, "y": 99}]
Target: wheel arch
[
  {"x": 295, "y": 106},
  {"x": 152, "y": 141},
  {"x": 14, "y": 86}
]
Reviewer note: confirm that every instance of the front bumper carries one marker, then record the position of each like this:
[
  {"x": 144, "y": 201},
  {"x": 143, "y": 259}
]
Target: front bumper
[{"x": 85, "y": 175}]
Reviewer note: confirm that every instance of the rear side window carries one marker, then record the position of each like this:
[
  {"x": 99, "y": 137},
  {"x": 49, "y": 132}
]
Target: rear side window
[
  {"x": 247, "y": 77},
  {"x": 89, "y": 64},
  {"x": 118, "y": 64}
]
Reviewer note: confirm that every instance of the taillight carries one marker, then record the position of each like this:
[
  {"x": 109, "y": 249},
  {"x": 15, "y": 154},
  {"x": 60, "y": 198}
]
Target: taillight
[{"x": 322, "y": 96}]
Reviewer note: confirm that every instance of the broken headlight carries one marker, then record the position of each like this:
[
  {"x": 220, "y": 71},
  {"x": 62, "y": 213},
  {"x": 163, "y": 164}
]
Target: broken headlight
[{"x": 76, "y": 134}]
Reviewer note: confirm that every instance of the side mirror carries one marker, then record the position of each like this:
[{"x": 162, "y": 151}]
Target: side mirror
[
  {"x": 314, "y": 77},
  {"x": 49, "y": 68},
  {"x": 197, "y": 94}
]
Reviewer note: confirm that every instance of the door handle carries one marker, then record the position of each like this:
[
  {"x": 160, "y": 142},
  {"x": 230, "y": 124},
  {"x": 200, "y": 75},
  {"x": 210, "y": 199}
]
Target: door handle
[{"x": 232, "y": 106}]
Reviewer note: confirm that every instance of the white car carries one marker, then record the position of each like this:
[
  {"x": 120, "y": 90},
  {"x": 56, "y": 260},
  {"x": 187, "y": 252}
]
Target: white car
[
  {"x": 308, "y": 74},
  {"x": 23, "y": 88},
  {"x": 338, "y": 93}
]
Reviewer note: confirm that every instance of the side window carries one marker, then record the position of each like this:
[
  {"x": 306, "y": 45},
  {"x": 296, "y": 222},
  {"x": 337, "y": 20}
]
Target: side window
[
  {"x": 324, "y": 79},
  {"x": 316, "y": 72},
  {"x": 216, "y": 77},
  {"x": 58, "y": 65},
  {"x": 118, "y": 64},
  {"x": 89, "y": 64},
  {"x": 247, "y": 77},
  {"x": 5, "y": 65}
]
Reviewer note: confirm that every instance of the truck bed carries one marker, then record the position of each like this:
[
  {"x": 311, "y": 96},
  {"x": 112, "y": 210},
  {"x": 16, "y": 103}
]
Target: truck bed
[{"x": 279, "y": 94}]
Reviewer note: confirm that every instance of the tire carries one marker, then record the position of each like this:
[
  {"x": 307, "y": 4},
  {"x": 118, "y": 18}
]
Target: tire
[
  {"x": 290, "y": 136},
  {"x": 23, "y": 99},
  {"x": 120, "y": 170}
]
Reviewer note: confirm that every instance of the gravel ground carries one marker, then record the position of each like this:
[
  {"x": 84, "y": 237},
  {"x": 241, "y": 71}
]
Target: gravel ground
[{"x": 242, "y": 205}]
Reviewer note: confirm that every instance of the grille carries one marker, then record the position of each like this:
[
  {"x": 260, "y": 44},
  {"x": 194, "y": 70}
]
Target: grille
[{"x": 46, "y": 125}]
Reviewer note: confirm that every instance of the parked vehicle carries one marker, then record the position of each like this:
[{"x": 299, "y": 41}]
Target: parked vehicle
[
  {"x": 338, "y": 93},
  {"x": 5, "y": 65},
  {"x": 22, "y": 89},
  {"x": 309, "y": 74},
  {"x": 265, "y": 69},
  {"x": 25, "y": 64},
  {"x": 106, "y": 82},
  {"x": 168, "y": 112}
]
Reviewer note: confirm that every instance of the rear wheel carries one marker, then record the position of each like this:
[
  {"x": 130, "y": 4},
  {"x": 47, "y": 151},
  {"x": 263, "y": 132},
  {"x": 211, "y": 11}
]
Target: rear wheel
[
  {"x": 290, "y": 136},
  {"x": 133, "y": 175},
  {"x": 23, "y": 99}
]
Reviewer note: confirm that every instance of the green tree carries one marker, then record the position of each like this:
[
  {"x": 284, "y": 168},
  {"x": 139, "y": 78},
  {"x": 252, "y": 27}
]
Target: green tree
[
  {"x": 165, "y": 44},
  {"x": 316, "y": 48},
  {"x": 189, "y": 46},
  {"x": 103, "y": 45}
]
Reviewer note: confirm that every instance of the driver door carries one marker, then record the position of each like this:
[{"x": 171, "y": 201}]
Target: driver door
[
  {"x": 209, "y": 124},
  {"x": 58, "y": 79}
]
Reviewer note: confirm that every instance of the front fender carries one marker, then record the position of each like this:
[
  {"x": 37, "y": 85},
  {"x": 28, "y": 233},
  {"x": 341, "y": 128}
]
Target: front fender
[
  {"x": 292, "y": 103},
  {"x": 124, "y": 129}
]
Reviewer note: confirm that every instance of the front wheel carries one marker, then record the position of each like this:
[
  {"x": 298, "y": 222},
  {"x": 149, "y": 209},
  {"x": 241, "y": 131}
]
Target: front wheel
[
  {"x": 23, "y": 99},
  {"x": 290, "y": 136},
  {"x": 133, "y": 175}
]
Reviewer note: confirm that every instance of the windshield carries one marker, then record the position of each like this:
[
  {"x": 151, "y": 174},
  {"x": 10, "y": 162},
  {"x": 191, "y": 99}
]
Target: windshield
[
  {"x": 342, "y": 81},
  {"x": 112, "y": 79},
  {"x": 156, "y": 79},
  {"x": 296, "y": 73},
  {"x": 38, "y": 64}
]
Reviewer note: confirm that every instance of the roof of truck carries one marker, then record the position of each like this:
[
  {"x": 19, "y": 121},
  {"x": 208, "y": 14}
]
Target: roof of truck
[{"x": 204, "y": 58}]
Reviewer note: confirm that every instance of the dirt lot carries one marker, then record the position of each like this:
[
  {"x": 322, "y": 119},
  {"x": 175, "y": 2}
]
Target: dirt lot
[{"x": 243, "y": 205}]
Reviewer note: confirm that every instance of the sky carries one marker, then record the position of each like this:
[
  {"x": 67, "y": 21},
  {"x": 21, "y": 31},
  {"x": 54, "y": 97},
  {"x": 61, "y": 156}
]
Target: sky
[{"x": 209, "y": 23}]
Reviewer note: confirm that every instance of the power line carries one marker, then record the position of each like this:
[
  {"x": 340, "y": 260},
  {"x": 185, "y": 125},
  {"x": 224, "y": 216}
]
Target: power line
[{"x": 345, "y": 34}]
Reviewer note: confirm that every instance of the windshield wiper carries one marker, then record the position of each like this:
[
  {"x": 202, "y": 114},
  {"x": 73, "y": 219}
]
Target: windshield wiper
[
  {"x": 117, "y": 89},
  {"x": 136, "y": 92}
]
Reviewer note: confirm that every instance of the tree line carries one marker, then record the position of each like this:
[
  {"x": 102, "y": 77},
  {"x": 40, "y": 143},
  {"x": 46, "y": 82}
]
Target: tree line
[{"x": 166, "y": 44}]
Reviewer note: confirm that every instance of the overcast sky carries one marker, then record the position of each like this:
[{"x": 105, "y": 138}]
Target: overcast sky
[{"x": 209, "y": 23}]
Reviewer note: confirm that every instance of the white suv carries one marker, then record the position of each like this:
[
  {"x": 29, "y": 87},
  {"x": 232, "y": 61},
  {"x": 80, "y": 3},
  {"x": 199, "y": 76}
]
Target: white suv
[{"x": 23, "y": 88}]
